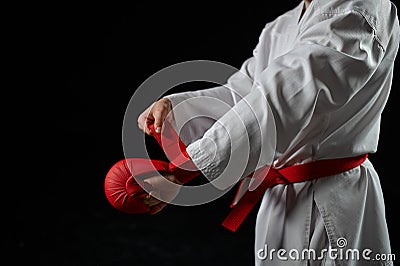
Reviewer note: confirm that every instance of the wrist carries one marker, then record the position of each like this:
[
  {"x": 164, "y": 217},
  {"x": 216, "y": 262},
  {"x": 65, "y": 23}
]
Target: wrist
[
  {"x": 166, "y": 101},
  {"x": 171, "y": 177}
]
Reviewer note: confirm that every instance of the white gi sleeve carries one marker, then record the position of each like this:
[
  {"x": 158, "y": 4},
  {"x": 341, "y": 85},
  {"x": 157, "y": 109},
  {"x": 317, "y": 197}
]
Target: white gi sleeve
[
  {"x": 329, "y": 63},
  {"x": 195, "y": 111},
  {"x": 237, "y": 86}
]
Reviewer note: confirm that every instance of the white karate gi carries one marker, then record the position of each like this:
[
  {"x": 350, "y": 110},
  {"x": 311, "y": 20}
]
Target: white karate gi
[{"x": 326, "y": 76}]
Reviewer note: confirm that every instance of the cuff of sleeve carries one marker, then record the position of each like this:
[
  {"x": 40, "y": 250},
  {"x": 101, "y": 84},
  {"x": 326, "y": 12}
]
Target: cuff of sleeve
[{"x": 202, "y": 152}]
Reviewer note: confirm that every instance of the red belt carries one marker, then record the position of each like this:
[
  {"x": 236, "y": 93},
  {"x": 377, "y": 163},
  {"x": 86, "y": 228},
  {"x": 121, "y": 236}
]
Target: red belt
[
  {"x": 287, "y": 175},
  {"x": 290, "y": 174}
]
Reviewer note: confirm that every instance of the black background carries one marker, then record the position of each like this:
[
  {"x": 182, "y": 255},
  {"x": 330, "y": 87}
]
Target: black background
[{"x": 98, "y": 55}]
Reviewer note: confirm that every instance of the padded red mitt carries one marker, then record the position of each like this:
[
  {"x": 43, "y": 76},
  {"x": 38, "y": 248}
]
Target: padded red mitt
[{"x": 121, "y": 183}]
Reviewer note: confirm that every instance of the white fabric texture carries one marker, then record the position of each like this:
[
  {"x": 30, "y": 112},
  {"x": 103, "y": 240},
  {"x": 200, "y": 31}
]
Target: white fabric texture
[{"x": 326, "y": 77}]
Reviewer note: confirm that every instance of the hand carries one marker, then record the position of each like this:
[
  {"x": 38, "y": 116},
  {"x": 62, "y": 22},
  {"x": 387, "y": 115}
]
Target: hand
[
  {"x": 159, "y": 188},
  {"x": 154, "y": 114}
]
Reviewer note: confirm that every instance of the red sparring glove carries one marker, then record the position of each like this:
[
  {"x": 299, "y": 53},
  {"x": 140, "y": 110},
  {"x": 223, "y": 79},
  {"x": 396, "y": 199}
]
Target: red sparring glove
[{"x": 121, "y": 183}]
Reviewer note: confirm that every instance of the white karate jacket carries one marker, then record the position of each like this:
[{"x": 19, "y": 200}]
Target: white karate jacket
[{"x": 315, "y": 89}]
